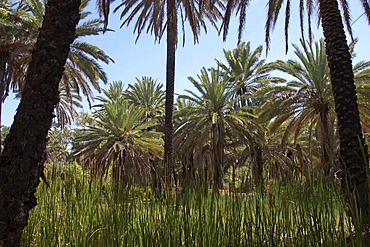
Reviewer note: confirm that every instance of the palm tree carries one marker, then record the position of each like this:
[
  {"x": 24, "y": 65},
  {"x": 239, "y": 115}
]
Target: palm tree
[
  {"x": 363, "y": 91},
  {"x": 22, "y": 157},
  {"x": 186, "y": 150},
  {"x": 82, "y": 69},
  {"x": 309, "y": 101},
  {"x": 157, "y": 17},
  {"x": 148, "y": 94},
  {"x": 65, "y": 110},
  {"x": 17, "y": 39},
  {"x": 212, "y": 117},
  {"x": 309, "y": 105},
  {"x": 353, "y": 155},
  {"x": 248, "y": 72},
  {"x": 113, "y": 93},
  {"x": 120, "y": 138},
  {"x": 361, "y": 72},
  {"x": 353, "y": 149}
]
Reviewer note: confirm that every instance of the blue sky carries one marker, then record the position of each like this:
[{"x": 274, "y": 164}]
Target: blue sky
[{"x": 146, "y": 58}]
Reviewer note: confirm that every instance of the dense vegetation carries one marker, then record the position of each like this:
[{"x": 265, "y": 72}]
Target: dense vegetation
[
  {"x": 79, "y": 211},
  {"x": 119, "y": 196},
  {"x": 238, "y": 118}
]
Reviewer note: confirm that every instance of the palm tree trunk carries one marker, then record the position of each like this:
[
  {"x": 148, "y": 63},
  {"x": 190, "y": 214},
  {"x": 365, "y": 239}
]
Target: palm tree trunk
[
  {"x": 258, "y": 167},
  {"x": 1, "y": 114},
  {"x": 327, "y": 156},
  {"x": 21, "y": 161},
  {"x": 170, "y": 90},
  {"x": 217, "y": 153},
  {"x": 204, "y": 178},
  {"x": 191, "y": 171},
  {"x": 353, "y": 150},
  {"x": 2, "y": 89}
]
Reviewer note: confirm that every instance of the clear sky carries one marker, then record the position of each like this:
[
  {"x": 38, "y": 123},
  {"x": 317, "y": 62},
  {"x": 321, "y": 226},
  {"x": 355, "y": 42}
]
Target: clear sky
[{"x": 146, "y": 58}]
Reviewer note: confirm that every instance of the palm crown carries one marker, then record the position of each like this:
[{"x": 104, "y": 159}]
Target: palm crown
[{"x": 119, "y": 138}]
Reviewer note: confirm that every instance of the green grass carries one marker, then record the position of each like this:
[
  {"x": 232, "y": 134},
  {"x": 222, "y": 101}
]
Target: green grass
[{"x": 77, "y": 212}]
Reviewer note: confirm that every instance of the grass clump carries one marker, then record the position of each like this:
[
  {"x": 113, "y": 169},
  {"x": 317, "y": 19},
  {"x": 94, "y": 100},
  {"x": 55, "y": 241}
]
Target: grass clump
[{"x": 78, "y": 211}]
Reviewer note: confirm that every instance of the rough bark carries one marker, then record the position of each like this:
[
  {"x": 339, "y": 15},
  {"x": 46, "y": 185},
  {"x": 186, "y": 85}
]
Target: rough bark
[
  {"x": 2, "y": 89},
  {"x": 21, "y": 161},
  {"x": 1, "y": 114},
  {"x": 170, "y": 89},
  {"x": 353, "y": 150}
]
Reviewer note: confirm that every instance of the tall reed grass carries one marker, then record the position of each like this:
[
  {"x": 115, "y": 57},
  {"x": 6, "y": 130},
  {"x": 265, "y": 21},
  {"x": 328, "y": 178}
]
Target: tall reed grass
[{"x": 79, "y": 212}]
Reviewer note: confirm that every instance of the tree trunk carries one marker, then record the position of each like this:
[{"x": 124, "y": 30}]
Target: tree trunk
[
  {"x": 217, "y": 154},
  {"x": 257, "y": 168},
  {"x": 2, "y": 90},
  {"x": 327, "y": 156},
  {"x": 170, "y": 90},
  {"x": 21, "y": 161},
  {"x": 353, "y": 150},
  {"x": 1, "y": 114}
]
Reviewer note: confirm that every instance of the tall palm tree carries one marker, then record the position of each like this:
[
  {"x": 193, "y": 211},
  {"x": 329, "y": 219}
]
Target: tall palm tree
[
  {"x": 21, "y": 162},
  {"x": 212, "y": 117},
  {"x": 157, "y": 17},
  {"x": 120, "y": 137},
  {"x": 353, "y": 155}
]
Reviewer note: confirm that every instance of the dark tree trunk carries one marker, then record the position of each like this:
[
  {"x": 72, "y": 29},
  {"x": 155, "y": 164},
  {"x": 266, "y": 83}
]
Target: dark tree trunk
[
  {"x": 258, "y": 167},
  {"x": 1, "y": 114},
  {"x": 205, "y": 170},
  {"x": 170, "y": 89},
  {"x": 353, "y": 150},
  {"x": 156, "y": 183},
  {"x": 191, "y": 171},
  {"x": 2, "y": 89},
  {"x": 217, "y": 154},
  {"x": 21, "y": 161},
  {"x": 184, "y": 159},
  {"x": 327, "y": 156}
]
